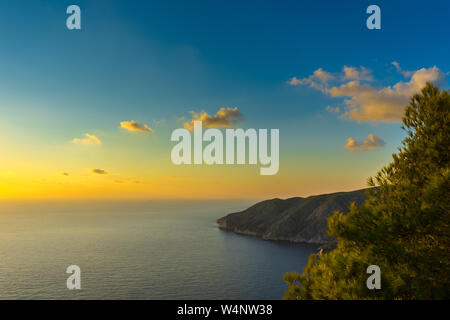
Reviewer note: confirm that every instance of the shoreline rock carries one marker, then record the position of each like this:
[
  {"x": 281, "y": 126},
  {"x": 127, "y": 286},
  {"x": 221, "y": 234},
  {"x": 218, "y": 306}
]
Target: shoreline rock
[{"x": 298, "y": 220}]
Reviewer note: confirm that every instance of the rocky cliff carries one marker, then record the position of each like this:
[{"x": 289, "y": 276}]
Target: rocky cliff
[{"x": 294, "y": 219}]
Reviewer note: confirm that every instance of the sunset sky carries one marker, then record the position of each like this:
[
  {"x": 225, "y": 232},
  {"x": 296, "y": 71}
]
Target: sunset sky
[{"x": 89, "y": 113}]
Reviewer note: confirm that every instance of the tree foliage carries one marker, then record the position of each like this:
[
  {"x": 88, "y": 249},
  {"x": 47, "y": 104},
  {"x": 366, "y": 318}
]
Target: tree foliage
[{"x": 403, "y": 226}]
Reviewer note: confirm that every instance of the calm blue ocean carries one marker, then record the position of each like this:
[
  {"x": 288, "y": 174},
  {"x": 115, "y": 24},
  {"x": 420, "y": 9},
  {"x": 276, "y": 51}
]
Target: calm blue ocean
[{"x": 137, "y": 250}]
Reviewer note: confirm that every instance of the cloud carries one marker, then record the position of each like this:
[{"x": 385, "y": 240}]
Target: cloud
[
  {"x": 385, "y": 104},
  {"x": 65, "y": 174},
  {"x": 99, "y": 171},
  {"x": 320, "y": 78},
  {"x": 317, "y": 80},
  {"x": 135, "y": 127},
  {"x": 366, "y": 102},
  {"x": 369, "y": 144},
  {"x": 225, "y": 117},
  {"x": 350, "y": 88},
  {"x": 90, "y": 139},
  {"x": 333, "y": 109},
  {"x": 405, "y": 73},
  {"x": 352, "y": 73}
]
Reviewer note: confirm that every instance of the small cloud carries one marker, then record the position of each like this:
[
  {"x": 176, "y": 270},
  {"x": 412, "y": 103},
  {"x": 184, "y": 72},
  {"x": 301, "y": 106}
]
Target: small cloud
[
  {"x": 369, "y": 144},
  {"x": 135, "y": 126},
  {"x": 225, "y": 117},
  {"x": 361, "y": 74},
  {"x": 396, "y": 65},
  {"x": 322, "y": 75},
  {"x": 65, "y": 174},
  {"x": 99, "y": 171},
  {"x": 90, "y": 139},
  {"x": 405, "y": 73},
  {"x": 317, "y": 80},
  {"x": 333, "y": 109}
]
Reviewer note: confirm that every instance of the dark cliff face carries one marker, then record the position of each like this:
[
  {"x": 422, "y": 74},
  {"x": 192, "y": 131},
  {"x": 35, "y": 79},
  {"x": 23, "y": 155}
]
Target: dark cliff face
[{"x": 294, "y": 219}]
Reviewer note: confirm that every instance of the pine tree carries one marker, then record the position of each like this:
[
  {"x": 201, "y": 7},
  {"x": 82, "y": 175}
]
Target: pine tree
[{"x": 403, "y": 227}]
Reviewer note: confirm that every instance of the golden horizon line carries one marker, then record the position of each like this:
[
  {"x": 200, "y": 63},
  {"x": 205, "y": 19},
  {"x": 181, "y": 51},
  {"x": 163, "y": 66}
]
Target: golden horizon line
[{"x": 115, "y": 198}]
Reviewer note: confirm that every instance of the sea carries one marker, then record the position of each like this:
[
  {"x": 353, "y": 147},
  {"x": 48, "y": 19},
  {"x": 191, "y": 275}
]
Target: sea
[{"x": 138, "y": 249}]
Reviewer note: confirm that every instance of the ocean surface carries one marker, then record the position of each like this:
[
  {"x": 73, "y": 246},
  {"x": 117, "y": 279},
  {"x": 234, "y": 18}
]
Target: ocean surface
[{"x": 138, "y": 250}]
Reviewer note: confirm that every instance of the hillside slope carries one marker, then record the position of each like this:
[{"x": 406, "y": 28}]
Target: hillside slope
[{"x": 294, "y": 219}]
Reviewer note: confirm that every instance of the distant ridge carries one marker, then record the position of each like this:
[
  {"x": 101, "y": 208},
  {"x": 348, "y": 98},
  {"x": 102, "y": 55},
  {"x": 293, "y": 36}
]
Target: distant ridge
[{"x": 295, "y": 219}]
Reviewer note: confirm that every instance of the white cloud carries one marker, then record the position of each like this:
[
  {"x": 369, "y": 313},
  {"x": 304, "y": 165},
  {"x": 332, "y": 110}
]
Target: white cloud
[
  {"x": 317, "y": 80},
  {"x": 367, "y": 102},
  {"x": 405, "y": 73},
  {"x": 385, "y": 104},
  {"x": 361, "y": 74},
  {"x": 369, "y": 144}
]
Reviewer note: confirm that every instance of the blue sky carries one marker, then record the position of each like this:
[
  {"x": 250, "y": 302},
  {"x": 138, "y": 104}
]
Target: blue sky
[{"x": 156, "y": 61}]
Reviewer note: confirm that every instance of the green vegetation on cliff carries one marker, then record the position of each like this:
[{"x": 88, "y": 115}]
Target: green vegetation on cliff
[{"x": 295, "y": 219}]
